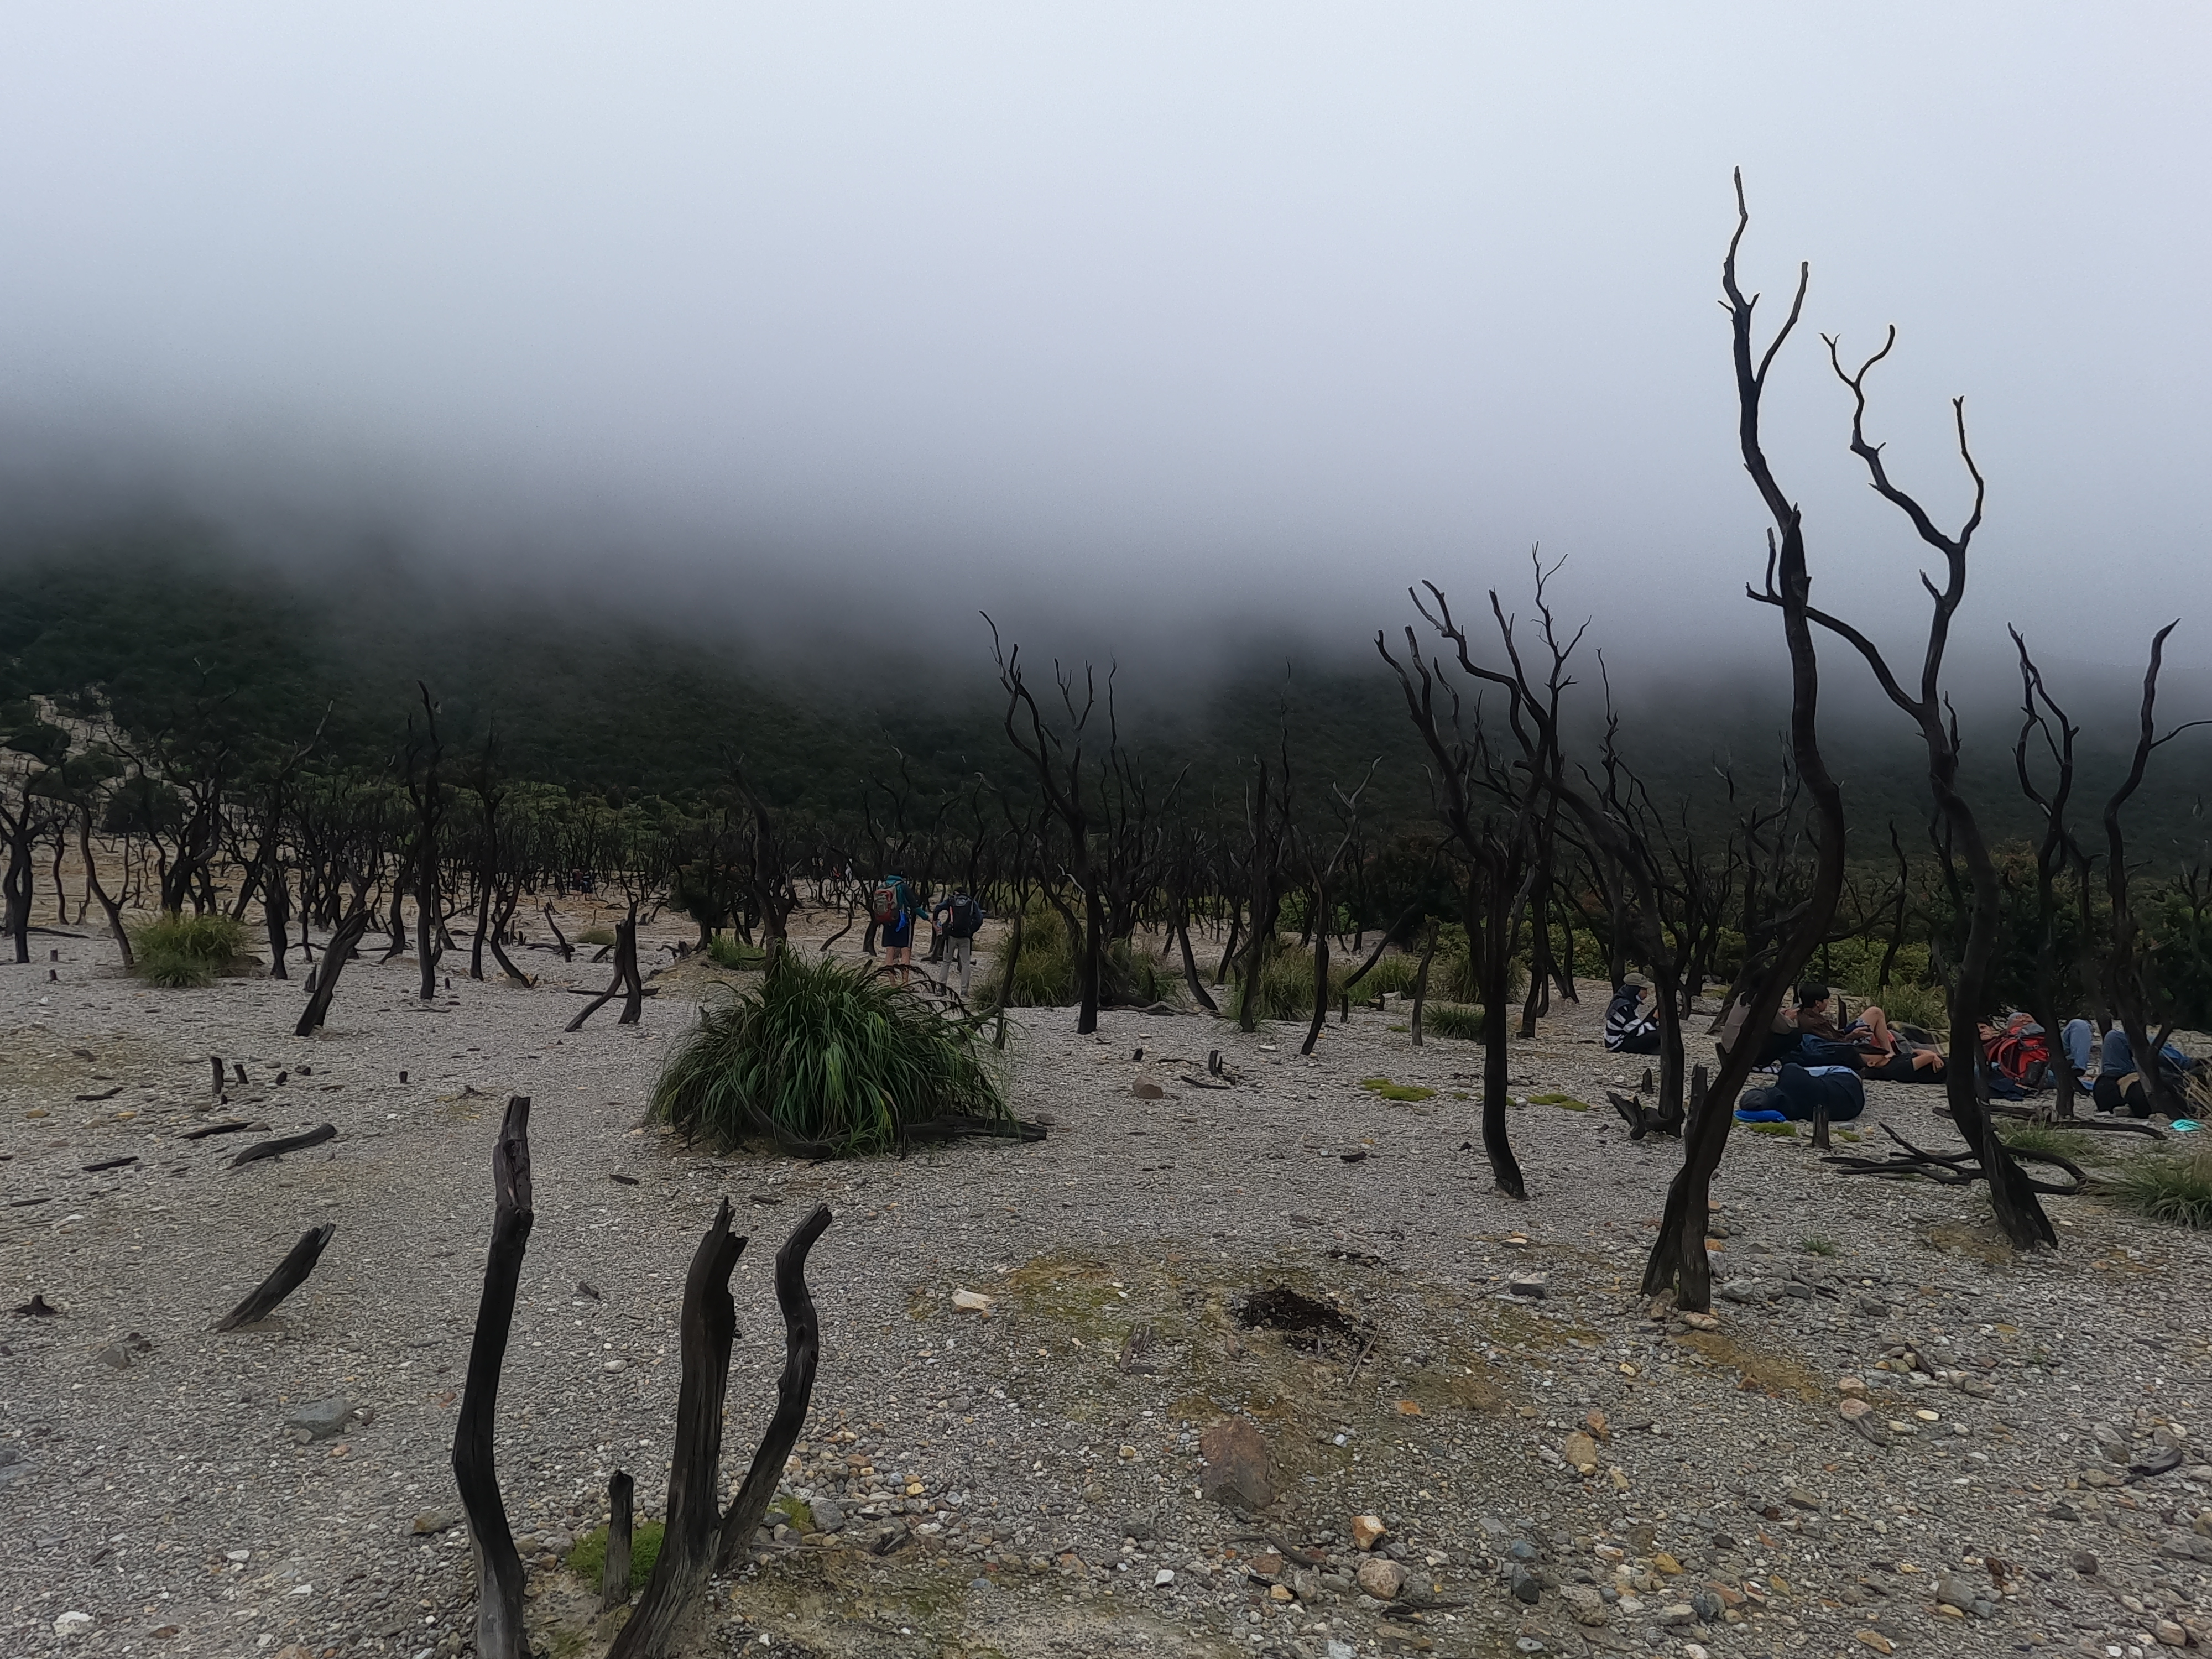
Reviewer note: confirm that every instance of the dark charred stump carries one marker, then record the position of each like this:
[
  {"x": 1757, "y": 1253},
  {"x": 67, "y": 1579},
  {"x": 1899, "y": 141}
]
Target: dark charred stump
[
  {"x": 325, "y": 976},
  {"x": 291, "y": 1273},
  {"x": 499, "y": 1567},
  {"x": 614, "y": 1575}
]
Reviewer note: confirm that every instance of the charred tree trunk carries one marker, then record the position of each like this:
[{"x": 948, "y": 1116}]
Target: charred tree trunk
[
  {"x": 290, "y": 1274},
  {"x": 108, "y": 907},
  {"x": 499, "y": 1567},
  {"x": 324, "y": 978}
]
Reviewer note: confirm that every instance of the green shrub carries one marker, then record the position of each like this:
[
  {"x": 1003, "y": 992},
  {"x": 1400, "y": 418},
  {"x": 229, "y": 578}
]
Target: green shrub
[
  {"x": 728, "y": 950},
  {"x": 1390, "y": 1091},
  {"x": 827, "y": 1054},
  {"x": 1044, "y": 974},
  {"x": 587, "y": 1560},
  {"x": 1927, "y": 1007},
  {"x": 1452, "y": 1019},
  {"x": 178, "y": 951},
  {"x": 1287, "y": 981},
  {"x": 596, "y": 936},
  {"x": 2169, "y": 1187},
  {"x": 1452, "y": 977},
  {"x": 2075, "y": 1145}
]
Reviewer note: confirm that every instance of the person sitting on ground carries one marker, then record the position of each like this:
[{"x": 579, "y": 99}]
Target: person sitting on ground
[
  {"x": 1781, "y": 1038},
  {"x": 1820, "y": 1041},
  {"x": 1891, "y": 1055},
  {"x": 2119, "y": 1084},
  {"x": 1629, "y": 1027},
  {"x": 2083, "y": 1042},
  {"x": 1800, "y": 1092}
]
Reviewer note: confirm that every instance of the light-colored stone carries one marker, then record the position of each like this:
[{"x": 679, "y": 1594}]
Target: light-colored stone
[
  {"x": 972, "y": 1301},
  {"x": 1581, "y": 1452},
  {"x": 1368, "y": 1531},
  {"x": 1381, "y": 1577}
]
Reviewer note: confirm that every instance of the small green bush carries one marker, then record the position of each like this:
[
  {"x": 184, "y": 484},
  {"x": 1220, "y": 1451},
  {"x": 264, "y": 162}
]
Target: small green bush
[
  {"x": 824, "y": 1054},
  {"x": 1452, "y": 1019},
  {"x": 1818, "y": 1244},
  {"x": 596, "y": 936},
  {"x": 2171, "y": 1187},
  {"x": 1390, "y": 1091},
  {"x": 589, "y": 1559},
  {"x": 1044, "y": 974},
  {"x": 1927, "y": 1007},
  {"x": 2075, "y": 1145},
  {"x": 728, "y": 950},
  {"x": 178, "y": 951},
  {"x": 1453, "y": 976}
]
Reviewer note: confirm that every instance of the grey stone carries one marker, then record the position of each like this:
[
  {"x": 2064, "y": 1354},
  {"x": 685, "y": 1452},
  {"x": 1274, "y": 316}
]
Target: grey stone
[
  {"x": 1533, "y": 1287},
  {"x": 828, "y": 1515},
  {"x": 1236, "y": 1472},
  {"x": 1954, "y": 1591},
  {"x": 318, "y": 1420},
  {"x": 1739, "y": 1290},
  {"x": 1524, "y": 1586}
]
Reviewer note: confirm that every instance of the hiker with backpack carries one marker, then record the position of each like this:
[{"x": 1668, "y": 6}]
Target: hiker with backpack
[
  {"x": 890, "y": 907},
  {"x": 958, "y": 920}
]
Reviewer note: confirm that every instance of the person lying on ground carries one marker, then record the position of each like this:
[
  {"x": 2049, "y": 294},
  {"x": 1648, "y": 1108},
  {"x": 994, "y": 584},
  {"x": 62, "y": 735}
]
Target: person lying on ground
[
  {"x": 1891, "y": 1055},
  {"x": 2119, "y": 1085},
  {"x": 1801, "y": 1090},
  {"x": 1629, "y": 1027}
]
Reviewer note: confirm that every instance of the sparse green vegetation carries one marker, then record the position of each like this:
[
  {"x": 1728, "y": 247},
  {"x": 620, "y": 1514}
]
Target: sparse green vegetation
[
  {"x": 2175, "y": 1188},
  {"x": 728, "y": 950},
  {"x": 2075, "y": 1145},
  {"x": 1786, "y": 1131},
  {"x": 1390, "y": 1091},
  {"x": 1567, "y": 1101},
  {"x": 589, "y": 1559},
  {"x": 181, "y": 951},
  {"x": 1818, "y": 1244},
  {"x": 825, "y": 1054},
  {"x": 596, "y": 937}
]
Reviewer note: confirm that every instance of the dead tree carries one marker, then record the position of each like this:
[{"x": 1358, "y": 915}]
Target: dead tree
[
  {"x": 1678, "y": 1260},
  {"x": 1268, "y": 829},
  {"x": 1057, "y": 759},
  {"x": 1321, "y": 874},
  {"x": 499, "y": 1566},
  {"x": 2013, "y": 1197},
  {"x": 2128, "y": 967},
  {"x": 323, "y": 982},
  {"x": 700, "y": 1537},
  {"x": 1492, "y": 843},
  {"x": 427, "y": 793},
  {"x": 2056, "y": 852},
  {"x": 628, "y": 985}
]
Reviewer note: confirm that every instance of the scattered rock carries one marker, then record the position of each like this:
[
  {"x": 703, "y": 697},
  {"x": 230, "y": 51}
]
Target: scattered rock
[
  {"x": 1524, "y": 1584},
  {"x": 318, "y": 1420},
  {"x": 972, "y": 1301},
  {"x": 2084, "y": 1563},
  {"x": 1381, "y": 1577},
  {"x": 1367, "y": 1531},
  {"x": 1581, "y": 1452},
  {"x": 828, "y": 1515},
  {"x": 1533, "y": 1287},
  {"x": 1236, "y": 1473},
  {"x": 1144, "y": 1090},
  {"x": 430, "y": 1523}
]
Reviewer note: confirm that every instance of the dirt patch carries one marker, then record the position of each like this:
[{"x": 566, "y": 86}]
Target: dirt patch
[
  {"x": 1771, "y": 1374},
  {"x": 1981, "y": 1240},
  {"x": 1304, "y": 1321}
]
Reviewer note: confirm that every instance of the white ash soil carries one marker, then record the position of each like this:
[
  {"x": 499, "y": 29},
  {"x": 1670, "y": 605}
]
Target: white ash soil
[{"x": 1036, "y": 1494}]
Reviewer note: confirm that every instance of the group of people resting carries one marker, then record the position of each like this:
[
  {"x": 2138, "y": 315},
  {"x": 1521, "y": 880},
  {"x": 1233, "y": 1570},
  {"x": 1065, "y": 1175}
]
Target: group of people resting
[{"x": 1820, "y": 1062}]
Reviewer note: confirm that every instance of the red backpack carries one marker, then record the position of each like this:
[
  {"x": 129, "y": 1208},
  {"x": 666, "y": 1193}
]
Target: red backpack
[{"x": 2024, "y": 1058}]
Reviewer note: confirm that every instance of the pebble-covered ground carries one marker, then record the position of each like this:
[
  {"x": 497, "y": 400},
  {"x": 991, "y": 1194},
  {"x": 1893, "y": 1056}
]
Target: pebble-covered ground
[{"x": 1037, "y": 1355}]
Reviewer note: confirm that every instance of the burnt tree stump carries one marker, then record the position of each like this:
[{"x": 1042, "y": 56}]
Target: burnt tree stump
[
  {"x": 325, "y": 976},
  {"x": 614, "y": 1573},
  {"x": 291, "y": 1273},
  {"x": 499, "y": 1567}
]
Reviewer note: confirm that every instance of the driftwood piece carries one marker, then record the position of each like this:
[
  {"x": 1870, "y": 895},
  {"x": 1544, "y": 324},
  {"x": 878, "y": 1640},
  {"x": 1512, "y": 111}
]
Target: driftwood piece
[
  {"x": 112, "y": 1164},
  {"x": 1960, "y": 1169},
  {"x": 499, "y": 1566},
  {"x": 1820, "y": 1143},
  {"x": 284, "y": 1143},
  {"x": 231, "y": 1128},
  {"x": 323, "y": 982},
  {"x": 291, "y": 1273},
  {"x": 614, "y": 1573},
  {"x": 215, "y": 1061},
  {"x": 1640, "y": 1118}
]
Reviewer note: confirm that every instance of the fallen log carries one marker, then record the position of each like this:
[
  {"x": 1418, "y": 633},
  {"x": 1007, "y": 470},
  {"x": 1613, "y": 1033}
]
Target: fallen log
[
  {"x": 291, "y": 1273},
  {"x": 284, "y": 1143},
  {"x": 1960, "y": 1169},
  {"x": 207, "y": 1129}
]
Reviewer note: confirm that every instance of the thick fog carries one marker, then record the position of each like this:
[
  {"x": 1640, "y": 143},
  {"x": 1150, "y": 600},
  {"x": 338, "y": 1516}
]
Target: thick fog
[{"x": 1161, "y": 323}]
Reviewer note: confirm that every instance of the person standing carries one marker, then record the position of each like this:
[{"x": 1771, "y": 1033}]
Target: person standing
[
  {"x": 958, "y": 919},
  {"x": 892, "y": 909}
]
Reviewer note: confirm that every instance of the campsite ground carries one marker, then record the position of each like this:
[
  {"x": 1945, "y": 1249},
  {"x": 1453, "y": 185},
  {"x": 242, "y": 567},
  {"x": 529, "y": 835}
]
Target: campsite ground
[{"x": 1030, "y": 1472}]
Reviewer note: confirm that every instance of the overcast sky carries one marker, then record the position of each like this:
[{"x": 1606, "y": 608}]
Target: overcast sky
[{"x": 1150, "y": 314}]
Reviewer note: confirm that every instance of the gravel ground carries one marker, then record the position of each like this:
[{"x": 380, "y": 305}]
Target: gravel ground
[{"x": 1551, "y": 1471}]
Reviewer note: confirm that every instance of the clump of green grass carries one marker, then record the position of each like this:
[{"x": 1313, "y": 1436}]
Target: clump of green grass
[
  {"x": 1818, "y": 1244},
  {"x": 1927, "y": 1007},
  {"x": 178, "y": 951},
  {"x": 2175, "y": 1188},
  {"x": 1390, "y": 1091},
  {"x": 2075, "y": 1145},
  {"x": 1786, "y": 1130},
  {"x": 589, "y": 1559},
  {"x": 1567, "y": 1101},
  {"x": 596, "y": 936},
  {"x": 1045, "y": 972},
  {"x": 825, "y": 1054},
  {"x": 728, "y": 950},
  {"x": 1452, "y": 1019}
]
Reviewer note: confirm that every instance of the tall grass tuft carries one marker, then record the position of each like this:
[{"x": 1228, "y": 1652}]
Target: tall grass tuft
[
  {"x": 728, "y": 950},
  {"x": 2169, "y": 1187},
  {"x": 1452, "y": 1019},
  {"x": 1044, "y": 976},
  {"x": 1287, "y": 981},
  {"x": 826, "y": 1054},
  {"x": 180, "y": 951}
]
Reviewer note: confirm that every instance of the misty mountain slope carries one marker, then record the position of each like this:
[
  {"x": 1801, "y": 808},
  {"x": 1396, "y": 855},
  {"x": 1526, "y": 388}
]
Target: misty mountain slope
[{"x": 590, "y": 695}]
